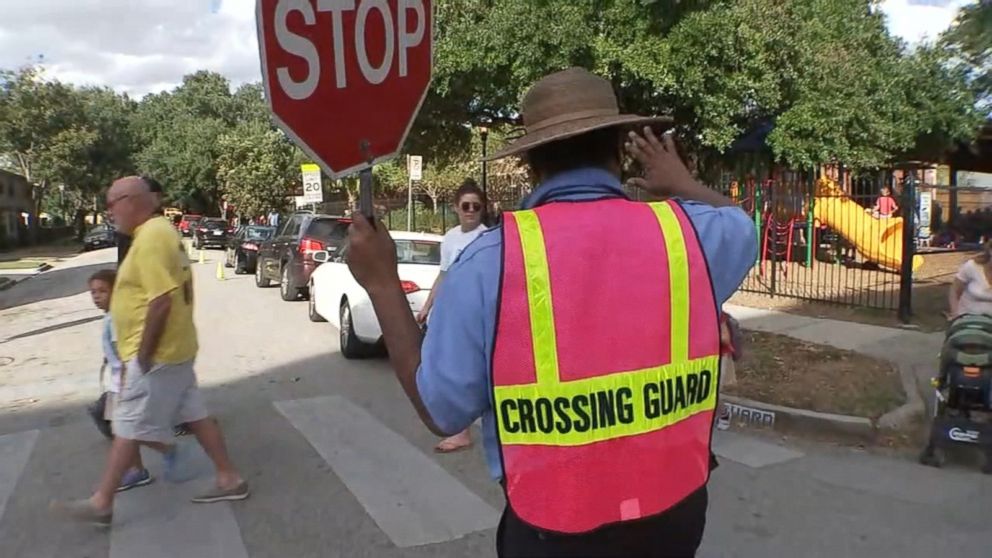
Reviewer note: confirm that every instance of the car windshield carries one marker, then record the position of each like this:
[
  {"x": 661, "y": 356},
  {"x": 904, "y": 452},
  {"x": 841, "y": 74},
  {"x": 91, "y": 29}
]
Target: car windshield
[
  {"x": 418, "y": 252},
  {"x": 214, "y": 224},
  {"x": 259, "y": 233}
]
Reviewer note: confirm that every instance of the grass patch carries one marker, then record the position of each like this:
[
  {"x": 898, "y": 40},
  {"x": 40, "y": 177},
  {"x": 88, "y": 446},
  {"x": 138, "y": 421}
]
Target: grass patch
[
  {"x": 21, "y": 264},
  {"x": 781, "y": 370}
]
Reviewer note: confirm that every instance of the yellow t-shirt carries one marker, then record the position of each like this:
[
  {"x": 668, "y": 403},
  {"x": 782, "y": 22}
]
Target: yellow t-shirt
[{"x": 155, "y": 265}]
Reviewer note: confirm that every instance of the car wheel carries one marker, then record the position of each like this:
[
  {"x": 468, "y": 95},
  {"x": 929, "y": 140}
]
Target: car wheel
[
  {"x": 287, "y": 289},
  {"x": 239, "y": 264},
  {"x": 312, "y": 307},
  {"x": 351, "y": 346},
  {"x": 260, "y": 280}
]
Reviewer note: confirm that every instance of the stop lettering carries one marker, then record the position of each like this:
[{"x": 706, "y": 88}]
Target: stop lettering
[{"x": 339, "y": 73}]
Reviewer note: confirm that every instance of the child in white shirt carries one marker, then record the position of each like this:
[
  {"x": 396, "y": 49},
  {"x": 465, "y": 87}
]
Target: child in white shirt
[{"x": 101, "y": 286}]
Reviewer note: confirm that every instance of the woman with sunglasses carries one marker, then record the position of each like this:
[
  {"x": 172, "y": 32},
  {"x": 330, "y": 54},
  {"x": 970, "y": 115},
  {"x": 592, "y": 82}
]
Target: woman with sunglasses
[{"x": 469, "y": 205}]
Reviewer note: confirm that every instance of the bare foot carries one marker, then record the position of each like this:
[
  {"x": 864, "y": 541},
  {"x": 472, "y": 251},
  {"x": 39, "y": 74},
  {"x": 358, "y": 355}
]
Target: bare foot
[{"x": 458, "y": 442}]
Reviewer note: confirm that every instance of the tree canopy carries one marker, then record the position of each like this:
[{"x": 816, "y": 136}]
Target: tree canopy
[
  {"x": 826, "y": 73},
  {"x": 970, "y": 41},
  {"x": 822, "y": 79}
]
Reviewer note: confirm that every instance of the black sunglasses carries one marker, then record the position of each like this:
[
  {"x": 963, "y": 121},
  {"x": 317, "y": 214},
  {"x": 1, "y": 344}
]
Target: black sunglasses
[{"x": 471, "y": 207}]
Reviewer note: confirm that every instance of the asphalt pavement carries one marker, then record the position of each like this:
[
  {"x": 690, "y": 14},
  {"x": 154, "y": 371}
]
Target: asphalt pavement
[{"x": 341, "y": 466}]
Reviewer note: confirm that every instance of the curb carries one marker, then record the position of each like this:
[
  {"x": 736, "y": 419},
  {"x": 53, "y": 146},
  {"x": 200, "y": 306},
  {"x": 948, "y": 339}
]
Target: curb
[
  {"x": 903, "y": 415},
  {"x": 9, "y": 281},
  {"x": 788, "y": 417}
]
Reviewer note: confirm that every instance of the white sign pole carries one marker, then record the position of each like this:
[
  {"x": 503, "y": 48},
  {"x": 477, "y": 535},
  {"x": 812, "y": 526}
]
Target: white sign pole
[
  {"x": 414, "y": 167},
  {"x": 409, "y": 196}
]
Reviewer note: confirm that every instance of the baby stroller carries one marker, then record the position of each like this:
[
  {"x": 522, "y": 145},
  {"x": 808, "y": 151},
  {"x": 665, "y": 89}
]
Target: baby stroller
[{"x": 963, "y": 406}]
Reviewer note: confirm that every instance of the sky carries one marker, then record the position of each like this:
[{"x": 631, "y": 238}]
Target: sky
[{"x": 143, "y": 46}]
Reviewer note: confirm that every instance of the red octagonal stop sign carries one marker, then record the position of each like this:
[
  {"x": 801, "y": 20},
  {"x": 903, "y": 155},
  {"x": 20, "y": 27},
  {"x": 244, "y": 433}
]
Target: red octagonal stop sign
[{"x": 339, "y": 73}]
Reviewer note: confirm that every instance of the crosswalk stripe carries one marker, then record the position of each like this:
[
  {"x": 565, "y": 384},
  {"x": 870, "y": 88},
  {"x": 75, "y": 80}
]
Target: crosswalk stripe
[
  {"x": 751, "y": 452},
  {"x": 411, "y": 498},
  {"x": 159, "y": 521},
  {"x": 15, "y": 449}
]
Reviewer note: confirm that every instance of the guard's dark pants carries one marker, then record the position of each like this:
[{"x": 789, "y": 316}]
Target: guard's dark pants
[{"x": 673, "y": 534}]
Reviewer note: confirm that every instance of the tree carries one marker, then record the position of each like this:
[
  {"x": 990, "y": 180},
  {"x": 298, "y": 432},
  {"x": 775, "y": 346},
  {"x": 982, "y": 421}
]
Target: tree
[
  {"x": 43, "y": 131},
  {"x": 831, "y": 91},
  {"x": 825, "y": 73},
  {"x": 106, "y": 154},
  {"x": 257, "y": 167},
  {"x": 181, "y": 132},
  {"x": 970, "y": 40}
]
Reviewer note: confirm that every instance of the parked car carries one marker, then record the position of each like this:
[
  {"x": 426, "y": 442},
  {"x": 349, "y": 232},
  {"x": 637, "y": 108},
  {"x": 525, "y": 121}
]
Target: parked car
[
  {"x": 288, "y": 257},
  {"x": 336, "y": 297},
  {"x": 212, "y": 232},
  {"x": 242, "y": 249},
  {"x": 100, "y": 236},
  {"x": 188, "y": 224}
]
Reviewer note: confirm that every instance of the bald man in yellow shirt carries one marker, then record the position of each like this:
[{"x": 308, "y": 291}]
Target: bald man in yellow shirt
[{"x": 152, "y": 311}]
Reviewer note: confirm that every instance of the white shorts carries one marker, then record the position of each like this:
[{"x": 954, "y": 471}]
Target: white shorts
[{"x": 151, "y": 404}]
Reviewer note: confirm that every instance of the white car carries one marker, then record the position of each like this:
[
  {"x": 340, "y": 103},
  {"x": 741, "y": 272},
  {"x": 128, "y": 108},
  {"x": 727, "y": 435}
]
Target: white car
[{"x": 337, "y": 298}]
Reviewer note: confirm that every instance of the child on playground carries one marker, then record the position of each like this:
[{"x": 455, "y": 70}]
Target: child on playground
[
  {"x": 885, "y": 205},
  {"x": 101, "y": 286}
]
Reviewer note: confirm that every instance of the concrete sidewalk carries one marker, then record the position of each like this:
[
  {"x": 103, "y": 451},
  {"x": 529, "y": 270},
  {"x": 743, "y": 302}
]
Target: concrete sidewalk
[{"x": 913, "y": 352}]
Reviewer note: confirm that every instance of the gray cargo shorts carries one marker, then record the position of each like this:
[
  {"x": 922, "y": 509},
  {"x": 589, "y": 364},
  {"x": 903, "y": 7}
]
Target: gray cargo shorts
[{"x": 151, "y": 404}]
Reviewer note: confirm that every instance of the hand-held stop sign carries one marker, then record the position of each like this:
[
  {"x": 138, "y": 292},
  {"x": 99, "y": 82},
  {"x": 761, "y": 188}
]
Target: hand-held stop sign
[{"x": 345, "y": 78}]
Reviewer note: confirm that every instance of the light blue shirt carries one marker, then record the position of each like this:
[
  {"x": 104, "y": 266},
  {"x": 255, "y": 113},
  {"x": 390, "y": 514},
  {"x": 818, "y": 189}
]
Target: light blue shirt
[
  {"x": 109, "y": 338},
  {"x": 454, "y": 380}
]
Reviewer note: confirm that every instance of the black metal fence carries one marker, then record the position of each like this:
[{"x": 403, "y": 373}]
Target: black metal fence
[
  {"x": 835, "y": 239},
  {"x": 840, "y": 239}
]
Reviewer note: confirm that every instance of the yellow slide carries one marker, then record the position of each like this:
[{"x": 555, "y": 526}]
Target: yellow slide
[{"x": 877, "y": 240}]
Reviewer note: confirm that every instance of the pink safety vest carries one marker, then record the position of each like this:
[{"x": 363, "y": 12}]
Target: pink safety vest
[{"x": 605, "y": 363}]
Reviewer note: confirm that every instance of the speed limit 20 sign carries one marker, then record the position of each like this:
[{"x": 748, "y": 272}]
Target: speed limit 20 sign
[
  {"x": 346, "y": 78},
  {"x": 313, "y": 189}
]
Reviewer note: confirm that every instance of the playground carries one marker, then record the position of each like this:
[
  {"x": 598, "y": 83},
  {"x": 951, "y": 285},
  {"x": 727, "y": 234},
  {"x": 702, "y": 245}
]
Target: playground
[{"x": 826, "y": 237}]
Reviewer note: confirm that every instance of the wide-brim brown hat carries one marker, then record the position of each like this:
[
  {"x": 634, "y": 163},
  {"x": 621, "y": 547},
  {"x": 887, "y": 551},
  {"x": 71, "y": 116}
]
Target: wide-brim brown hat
[{"x": 567, "y": 104}]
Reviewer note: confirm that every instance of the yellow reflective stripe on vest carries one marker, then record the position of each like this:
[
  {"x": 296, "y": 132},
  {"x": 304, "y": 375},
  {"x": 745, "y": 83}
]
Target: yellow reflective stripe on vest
[
  {"x": 542, "y": 318},
  {"x": 678, "y": 278},
  {"x": 581, "y": 412}
]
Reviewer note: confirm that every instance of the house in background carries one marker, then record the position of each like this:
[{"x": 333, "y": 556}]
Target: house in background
[{"x": 16, "y": 207}]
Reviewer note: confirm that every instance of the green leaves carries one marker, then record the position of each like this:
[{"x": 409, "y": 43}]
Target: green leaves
[
  {"x": 835, "y": 84},
  {"x": 57, "y": 135},
  {"x": 970, "y": 42},
  {"x": 256, "y": 167},
  {"x": 182, "y": 132}
]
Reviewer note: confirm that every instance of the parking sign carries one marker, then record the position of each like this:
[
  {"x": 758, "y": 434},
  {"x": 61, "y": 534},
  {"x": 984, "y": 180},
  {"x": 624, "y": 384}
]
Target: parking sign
[{"x": 416, "y": 167}]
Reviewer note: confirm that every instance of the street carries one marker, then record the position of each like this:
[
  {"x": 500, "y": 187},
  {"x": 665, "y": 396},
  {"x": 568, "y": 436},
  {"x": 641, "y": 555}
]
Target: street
[{"x": 340, "y": 465}]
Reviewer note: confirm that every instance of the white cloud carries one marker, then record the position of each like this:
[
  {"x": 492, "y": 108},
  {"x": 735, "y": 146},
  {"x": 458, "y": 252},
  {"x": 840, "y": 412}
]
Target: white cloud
[
  {"x": 916, "y": 21},
  {"x": 142, "y": 46},
  {"x": 137, "y": 46}
]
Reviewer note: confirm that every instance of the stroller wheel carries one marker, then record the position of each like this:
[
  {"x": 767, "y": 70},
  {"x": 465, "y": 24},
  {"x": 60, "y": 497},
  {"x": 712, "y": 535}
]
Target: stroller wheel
[{"x": 933, "y": 457}]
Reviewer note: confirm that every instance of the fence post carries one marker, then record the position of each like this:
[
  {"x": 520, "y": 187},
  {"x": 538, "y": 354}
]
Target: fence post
[
  {"x": 772, "y": 230},
  {"x": 810, "y": 232},
  {"x": 952, "y": 198},
  {"x": 757, "y": 210},
  {"x": 908, "y": 247}
]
